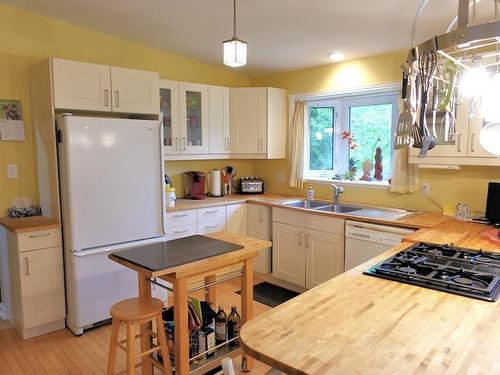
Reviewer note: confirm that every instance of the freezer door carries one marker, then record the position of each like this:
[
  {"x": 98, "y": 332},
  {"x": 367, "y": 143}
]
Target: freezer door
[{"x": 111, "y": 181}]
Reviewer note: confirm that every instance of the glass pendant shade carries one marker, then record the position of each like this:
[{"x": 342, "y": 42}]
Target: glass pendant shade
[{"x": 235, "y": 52}]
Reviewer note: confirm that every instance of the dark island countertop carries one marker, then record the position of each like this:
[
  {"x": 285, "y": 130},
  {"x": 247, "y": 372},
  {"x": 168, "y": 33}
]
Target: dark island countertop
[
  {"x": 163, "y": 255},
  {"x": 189, "y": 255}
]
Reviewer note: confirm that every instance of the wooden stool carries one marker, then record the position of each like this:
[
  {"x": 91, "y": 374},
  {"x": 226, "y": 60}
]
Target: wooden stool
[{"x": 132, "y": 312}]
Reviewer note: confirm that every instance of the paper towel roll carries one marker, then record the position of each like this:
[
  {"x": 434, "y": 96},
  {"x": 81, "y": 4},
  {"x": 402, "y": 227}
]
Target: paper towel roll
[{"x": 215, "y": 181}]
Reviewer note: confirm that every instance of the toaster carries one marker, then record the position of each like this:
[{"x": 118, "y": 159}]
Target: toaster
[{"x": 251, "y": 185}]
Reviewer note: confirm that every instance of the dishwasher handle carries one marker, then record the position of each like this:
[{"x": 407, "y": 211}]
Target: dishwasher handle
[{"x": 378, "y": 228}]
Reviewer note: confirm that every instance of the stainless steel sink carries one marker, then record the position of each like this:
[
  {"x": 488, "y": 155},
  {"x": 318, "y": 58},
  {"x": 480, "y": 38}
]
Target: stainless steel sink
[
  {"x": 340, "y": 208},
  {"x": 307, "y": 204}
]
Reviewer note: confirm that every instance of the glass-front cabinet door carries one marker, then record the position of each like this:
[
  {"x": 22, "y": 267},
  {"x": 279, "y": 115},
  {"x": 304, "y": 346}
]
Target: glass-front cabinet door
[
  {"x": 193, "y": 109},
  {"x": 169, "y": 108}
]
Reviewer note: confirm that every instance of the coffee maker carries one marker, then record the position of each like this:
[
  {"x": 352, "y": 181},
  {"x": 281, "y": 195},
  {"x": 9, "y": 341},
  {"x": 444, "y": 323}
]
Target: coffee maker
[{"x": 194, "y": 185}]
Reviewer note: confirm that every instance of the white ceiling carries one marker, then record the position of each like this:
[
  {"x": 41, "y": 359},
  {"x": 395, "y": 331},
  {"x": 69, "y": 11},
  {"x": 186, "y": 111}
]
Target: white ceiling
[{"x": 281, "y": 34}]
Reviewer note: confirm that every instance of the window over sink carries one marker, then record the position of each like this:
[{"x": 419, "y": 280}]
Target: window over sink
[{"x": 350, "y": 137}]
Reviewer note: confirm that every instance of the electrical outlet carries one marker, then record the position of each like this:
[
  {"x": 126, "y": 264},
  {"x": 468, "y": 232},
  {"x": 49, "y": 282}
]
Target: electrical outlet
[
  {"x": 280, "y": 178},
  {"x": 12, "y": 171},
  {"x": 426, "y": 188}
]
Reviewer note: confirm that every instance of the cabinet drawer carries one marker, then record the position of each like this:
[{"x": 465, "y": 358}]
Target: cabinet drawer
[
  {"x": 180, "y": 218},
  {"x": 212, "y": 227},
  {"x": 288, "y": 216},
  {"x": 181, "y": 231},
  {"x": 325, "y": 224},
  {"x": 210, "y": 214},
  {"x": 40, "y": 239}
]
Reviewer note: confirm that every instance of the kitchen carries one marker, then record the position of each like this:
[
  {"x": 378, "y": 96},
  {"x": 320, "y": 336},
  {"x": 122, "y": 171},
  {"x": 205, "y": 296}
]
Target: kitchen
[{"x": 38, "y": 55}]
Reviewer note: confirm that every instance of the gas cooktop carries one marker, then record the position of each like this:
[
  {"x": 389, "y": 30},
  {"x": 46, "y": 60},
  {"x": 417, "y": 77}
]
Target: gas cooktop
[{"x": 467, "y": 272}]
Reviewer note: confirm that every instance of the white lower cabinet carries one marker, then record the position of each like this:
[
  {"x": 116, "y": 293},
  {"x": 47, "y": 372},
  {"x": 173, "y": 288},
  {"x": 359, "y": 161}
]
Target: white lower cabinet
[
  {"x": 211, "y": 227},
  {"x": 237, "y": 218},
  {"x": 260, "y": 225},
  {"x": 324, "y": 257},
  {"x": 37, "y": 282},
  {"x": 302, "y": 254},
  {"x": 289, "y": 253}
]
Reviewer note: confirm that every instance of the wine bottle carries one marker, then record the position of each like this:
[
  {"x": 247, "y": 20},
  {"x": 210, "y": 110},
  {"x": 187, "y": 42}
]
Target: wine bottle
[
  {"x": 220, "y": 326},
  {"x": 233, "y": 326}
]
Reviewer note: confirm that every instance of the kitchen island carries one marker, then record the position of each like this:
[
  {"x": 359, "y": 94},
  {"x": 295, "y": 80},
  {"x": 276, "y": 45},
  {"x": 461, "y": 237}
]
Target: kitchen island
[
  {"x": 358, "y": 324},
  {"x": 178, "y": 262}
]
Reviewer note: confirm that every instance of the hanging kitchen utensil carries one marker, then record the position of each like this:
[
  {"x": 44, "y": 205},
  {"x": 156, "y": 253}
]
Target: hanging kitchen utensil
[
  {"x": 427, "y": 64},
  {"x": 435, "y": 99},
  {"x": 414, "y": 98},
  {"x": 405, "y": 122}
]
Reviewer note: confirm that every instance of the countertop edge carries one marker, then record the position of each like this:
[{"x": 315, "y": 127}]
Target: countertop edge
[{"x": 29, "y": 224}]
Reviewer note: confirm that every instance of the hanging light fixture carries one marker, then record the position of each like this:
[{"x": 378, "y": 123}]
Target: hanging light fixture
[{"x": 235, "y": 50}]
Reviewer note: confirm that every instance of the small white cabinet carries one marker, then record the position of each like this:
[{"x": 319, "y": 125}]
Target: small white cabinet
[
  {"x": 258, "y": 122},
  {"x": 93, "y": 87},
  {"x": 259, "y": 225},
  {"x": 37, "y": 281},
  {"x": 308, "y": 249},
  {"x": 218, "y": 120},
  {"x": 237, "y": 218},
  {"x": 79, "y": 85},
  {"x": 289, "y": 253}
]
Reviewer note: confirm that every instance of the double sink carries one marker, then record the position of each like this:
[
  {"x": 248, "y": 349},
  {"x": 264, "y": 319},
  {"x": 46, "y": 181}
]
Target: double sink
[{"x": 361, "y": 211}]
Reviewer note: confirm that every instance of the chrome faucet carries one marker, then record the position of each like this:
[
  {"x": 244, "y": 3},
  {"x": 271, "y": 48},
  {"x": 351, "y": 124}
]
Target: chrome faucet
[{"x": 337, "y": 190}]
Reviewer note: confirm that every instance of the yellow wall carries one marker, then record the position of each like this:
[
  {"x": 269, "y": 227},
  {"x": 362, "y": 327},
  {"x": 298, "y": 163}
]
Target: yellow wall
[
  {"x": 447, "y": 187},
  {"x": 26, "y": 38}
]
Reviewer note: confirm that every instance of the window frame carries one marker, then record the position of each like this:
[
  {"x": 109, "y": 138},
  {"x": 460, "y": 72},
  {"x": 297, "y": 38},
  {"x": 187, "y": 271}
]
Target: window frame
[{"x": 342, "y": 102}]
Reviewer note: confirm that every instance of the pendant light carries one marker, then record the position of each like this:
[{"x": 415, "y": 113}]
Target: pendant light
[{"x": 235, "y": 50}]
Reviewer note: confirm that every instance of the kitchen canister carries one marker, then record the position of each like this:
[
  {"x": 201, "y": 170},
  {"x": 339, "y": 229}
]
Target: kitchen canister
[{"x": 170, "y": 196}]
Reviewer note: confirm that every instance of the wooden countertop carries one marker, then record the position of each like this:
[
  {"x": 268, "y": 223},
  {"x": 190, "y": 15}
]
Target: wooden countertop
[
  {"x": 420, "y": 220},
  {"x": 359, "y": 324},
  {"x": 29, "y": 224}
]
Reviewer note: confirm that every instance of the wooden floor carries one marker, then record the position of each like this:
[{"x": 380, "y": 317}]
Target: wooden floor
[{"x": 63, "y": 353}]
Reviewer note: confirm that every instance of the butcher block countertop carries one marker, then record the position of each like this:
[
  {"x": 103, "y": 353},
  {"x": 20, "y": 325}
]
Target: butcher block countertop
[
  {"x": 420, "y": 220},
  {"x": 29, "y": 224},
  {"x": 359, "y": 324}
]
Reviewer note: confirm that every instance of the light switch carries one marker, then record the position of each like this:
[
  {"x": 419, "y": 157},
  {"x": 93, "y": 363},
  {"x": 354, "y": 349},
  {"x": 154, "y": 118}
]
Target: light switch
[{"x": 11, "y": 171}]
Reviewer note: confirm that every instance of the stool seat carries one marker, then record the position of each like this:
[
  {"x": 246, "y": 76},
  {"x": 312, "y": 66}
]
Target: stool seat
[{"x": 133, "y": 309}]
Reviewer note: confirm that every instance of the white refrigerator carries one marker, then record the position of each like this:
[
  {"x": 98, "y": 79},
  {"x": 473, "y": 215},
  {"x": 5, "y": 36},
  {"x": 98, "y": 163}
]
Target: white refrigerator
[{"x": 112, "y": 197}]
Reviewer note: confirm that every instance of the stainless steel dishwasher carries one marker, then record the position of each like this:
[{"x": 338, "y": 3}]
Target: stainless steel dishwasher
[{"x": 364, "y": 241}]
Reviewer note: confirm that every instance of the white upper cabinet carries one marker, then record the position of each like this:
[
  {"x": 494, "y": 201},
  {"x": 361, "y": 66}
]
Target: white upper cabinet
[
  {"x": 258, "y": 122},
  {"x": 169, "y": 114},
  {"x": 463, "y": 148},
  {"x": 134, "y": 91},
  {"x": 193, "y": 114},
  {"x": 93, "y": 87},
  {"x": 79, "y": 85},
  {"x": 218, "y": 120}
]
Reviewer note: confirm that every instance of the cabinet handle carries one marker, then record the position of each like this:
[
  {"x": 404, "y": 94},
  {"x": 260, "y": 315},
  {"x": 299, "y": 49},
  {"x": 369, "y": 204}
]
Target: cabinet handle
[
  {"x": 106, "y": 97},
  {"x": 459, "y": 141},
  {"x": 261, "y": 144},
  {"x": 180, "y": 231},
  {"x": 211, "y": 212},
  {"x": 176, "y": 143},
  {"x": 180, "y": 215},
  {"x": 308, "y": 240},
  {"x": 184, "y": 143},
  {"x": 210, "y": 226},
  {"x": 39, "y": 235},
  {"x": 117, "y": 98},
  {"x": 300, "y": 238},
  {"x": 26, "y": 262},
  {"x": 261, "y": 215},
  {"x": 472, "y": 139},
  {"x": 228, "y": 144}
]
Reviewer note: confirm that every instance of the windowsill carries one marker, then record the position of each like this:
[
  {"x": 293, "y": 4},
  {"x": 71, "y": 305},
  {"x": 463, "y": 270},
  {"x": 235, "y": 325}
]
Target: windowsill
[{"x": 381, "y": 185}]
